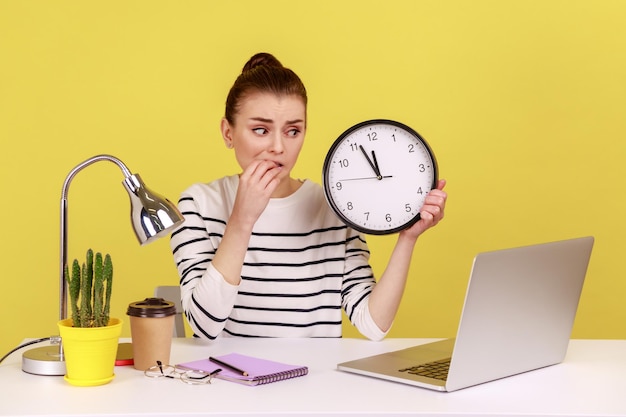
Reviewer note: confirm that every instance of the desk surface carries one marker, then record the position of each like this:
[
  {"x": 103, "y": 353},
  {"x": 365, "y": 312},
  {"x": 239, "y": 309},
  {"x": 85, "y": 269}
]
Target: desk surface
[{"x": 590, "y": 382}]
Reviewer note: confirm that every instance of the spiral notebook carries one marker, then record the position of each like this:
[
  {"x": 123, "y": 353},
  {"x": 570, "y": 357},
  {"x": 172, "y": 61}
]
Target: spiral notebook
[{"x": 260, "y": 371}]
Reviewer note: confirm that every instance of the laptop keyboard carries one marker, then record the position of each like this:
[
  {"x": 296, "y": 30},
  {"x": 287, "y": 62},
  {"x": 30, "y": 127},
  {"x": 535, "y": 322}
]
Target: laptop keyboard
[{"x": 437, "y": 369}]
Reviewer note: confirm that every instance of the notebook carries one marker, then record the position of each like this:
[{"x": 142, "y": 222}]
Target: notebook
[
  {"x": 518, "y": 314},
  {"x": 260, "y": 371}
]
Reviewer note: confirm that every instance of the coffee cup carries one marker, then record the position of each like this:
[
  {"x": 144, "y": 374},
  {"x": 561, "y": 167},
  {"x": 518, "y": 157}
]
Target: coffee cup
[{"x": 151, "y": 328}]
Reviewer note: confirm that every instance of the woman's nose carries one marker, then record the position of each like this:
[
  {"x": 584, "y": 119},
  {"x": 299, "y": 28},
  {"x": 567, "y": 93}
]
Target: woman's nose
[{"x": 277, "y": 145}]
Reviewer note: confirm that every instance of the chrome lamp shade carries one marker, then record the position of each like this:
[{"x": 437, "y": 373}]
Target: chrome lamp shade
[{"x": 152, "y": 216}]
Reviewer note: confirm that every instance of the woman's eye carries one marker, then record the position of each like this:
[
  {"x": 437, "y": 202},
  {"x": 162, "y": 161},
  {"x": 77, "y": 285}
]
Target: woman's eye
[
  {"x": 260, "y": 130},
  {"x": 293, "y": 132}
]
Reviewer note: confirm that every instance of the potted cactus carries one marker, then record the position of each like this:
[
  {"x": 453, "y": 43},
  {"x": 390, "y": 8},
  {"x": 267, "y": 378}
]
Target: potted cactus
[
  {"x": 90, "y": 337},
  {"x": 90, "y": 290}
]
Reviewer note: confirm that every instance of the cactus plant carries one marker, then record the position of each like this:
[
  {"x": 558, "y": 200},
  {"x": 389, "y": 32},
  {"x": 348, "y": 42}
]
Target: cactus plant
[{"x": 90, "y": 290}]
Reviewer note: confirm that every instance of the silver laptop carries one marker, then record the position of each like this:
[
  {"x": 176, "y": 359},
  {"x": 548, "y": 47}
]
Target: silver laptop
[{"x": 518, "y": 315}]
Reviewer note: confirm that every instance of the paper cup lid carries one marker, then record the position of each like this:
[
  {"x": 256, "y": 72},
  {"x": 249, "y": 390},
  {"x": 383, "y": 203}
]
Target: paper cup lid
[{"x": 151, "y": 307}]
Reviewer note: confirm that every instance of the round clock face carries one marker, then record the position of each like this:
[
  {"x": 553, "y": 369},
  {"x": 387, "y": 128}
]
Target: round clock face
[{"x": 377, "y": 174}]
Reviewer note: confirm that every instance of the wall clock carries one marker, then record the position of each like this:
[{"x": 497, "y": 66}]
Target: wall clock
[{"x": 377, "y": 174}]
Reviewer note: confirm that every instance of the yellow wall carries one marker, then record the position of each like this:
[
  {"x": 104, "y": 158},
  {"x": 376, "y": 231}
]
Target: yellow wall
[{"x": 523, "y": 103}]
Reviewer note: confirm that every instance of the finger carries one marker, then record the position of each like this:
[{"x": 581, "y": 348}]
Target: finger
[
  {"x": 427, "y": 220},
  {"x": 433, "y": 211},
  {"x": 436, "y": 198},
  {"x": 433, "y": 207},
  {"x": 269, "y": 171},
  {"x": 426, "y": 216},
  {"x": 259, "y": 169},
  {"x": 260, "y": 166},
  {"x": 251, "y": 169}
]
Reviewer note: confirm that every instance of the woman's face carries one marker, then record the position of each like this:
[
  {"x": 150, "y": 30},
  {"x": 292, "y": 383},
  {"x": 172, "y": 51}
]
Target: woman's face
[{"x": 267, "y": 127}]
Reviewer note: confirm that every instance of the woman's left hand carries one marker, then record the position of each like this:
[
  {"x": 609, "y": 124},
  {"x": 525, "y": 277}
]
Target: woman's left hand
[{"x": 432, "y": 212}]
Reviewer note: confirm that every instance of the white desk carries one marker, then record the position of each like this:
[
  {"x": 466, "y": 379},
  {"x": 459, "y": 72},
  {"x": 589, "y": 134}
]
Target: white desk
[{"x": 591, "y": 382}]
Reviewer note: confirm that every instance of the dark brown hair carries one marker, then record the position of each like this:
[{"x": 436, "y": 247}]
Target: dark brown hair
[{"x": 263, "y": 73}]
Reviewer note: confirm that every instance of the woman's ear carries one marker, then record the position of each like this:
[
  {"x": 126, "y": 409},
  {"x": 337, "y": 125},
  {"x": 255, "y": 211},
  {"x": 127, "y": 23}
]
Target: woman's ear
[{"x": 226, "y": 133}]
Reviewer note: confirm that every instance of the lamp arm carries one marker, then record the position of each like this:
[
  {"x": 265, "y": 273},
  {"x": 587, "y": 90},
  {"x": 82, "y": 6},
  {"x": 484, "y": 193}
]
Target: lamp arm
[{"x": 63, "y": 243}]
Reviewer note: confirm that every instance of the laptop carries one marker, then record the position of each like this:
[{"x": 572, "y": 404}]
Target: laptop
[{"x": 518, "y": 315}]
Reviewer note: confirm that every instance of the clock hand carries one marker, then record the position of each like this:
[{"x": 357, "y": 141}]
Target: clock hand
[
  {"x": 366, "y": 178},
  {"x": 376, "y": 164},
  {"x": 374, "y": 167}
]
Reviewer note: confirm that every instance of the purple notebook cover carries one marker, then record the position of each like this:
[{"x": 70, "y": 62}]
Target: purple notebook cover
[{"x": 260, "y": 371}]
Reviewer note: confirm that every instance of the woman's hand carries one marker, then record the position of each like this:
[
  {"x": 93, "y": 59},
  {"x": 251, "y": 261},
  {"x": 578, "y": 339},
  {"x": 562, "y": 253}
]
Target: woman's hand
[
  {"x": 432, "y": 212},
  {"x": 256, "y": 185}
]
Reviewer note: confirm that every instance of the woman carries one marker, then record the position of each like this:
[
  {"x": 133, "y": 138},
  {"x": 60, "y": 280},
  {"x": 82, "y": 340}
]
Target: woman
[{"x": 260, "y": 253}]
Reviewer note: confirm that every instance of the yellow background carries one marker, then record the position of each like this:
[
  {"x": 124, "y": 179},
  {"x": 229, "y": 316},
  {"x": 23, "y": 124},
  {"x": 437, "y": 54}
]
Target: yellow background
[{"x": 523, "y": 102}]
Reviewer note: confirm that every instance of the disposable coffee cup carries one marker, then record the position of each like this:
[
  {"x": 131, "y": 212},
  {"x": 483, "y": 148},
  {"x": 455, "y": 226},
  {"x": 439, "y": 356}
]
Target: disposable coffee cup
[{"x": 151, "y": 328}]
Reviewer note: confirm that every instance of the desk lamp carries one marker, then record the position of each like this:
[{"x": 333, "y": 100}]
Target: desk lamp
[{"x": 152, "y": 217}]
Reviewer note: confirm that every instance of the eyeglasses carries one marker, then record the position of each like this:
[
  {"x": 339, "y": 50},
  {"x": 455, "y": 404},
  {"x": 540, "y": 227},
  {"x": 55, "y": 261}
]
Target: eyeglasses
[{"x": 188, "y": 376}]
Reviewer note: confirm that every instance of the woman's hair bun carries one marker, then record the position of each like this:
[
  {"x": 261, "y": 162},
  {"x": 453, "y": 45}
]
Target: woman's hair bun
[
  {"x": 261, "y": 59},
  {"x": 262, "y": 73}
]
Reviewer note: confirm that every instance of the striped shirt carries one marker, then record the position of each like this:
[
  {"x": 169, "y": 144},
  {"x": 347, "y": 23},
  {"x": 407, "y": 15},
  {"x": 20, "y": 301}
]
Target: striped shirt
[{"x": 302, "y": 266}]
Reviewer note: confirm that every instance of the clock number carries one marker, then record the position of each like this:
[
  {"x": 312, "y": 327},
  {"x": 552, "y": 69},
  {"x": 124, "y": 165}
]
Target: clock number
[
  {"x": 411, "y": 148},
  {"x": 349, "y": 205},
  {"x": 388, "y": 217},
  {"x": 367, "y": 215},
  {"x": 393, "y": 135},
  {"x": 344, "y": 163},
  {"x": 372, "y": 136},
  {"x": 338, "y": 186},
  {"x": 407, "y": 208},
  {"x": 420, "y": 191},
  {"x": 422, "y": 168}
]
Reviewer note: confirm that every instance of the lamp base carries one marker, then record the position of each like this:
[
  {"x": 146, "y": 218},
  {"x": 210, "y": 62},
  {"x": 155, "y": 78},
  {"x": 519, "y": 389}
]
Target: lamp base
[{"x": 46, "y": 360}]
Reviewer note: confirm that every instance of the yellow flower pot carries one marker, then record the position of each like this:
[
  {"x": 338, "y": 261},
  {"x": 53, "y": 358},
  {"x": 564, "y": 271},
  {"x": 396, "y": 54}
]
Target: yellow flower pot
[{"x": 90, "y": 352}]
